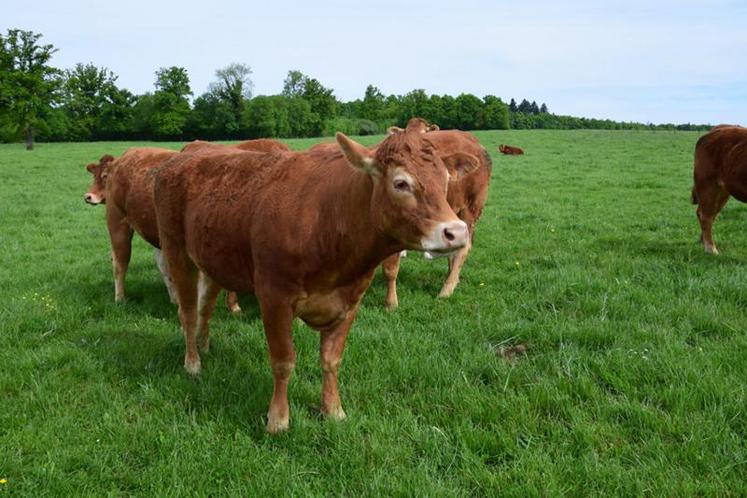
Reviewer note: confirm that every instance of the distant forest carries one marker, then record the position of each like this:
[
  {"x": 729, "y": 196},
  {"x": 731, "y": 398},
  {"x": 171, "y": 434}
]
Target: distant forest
[{"x": 84, "y": 103}]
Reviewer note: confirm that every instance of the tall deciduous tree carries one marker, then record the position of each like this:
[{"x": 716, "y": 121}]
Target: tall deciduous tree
[
  {"x": 171, "y": 102},
  {"x": 233, "y": 87},
  {"x": 28, "y": 84},
  {"x": 87, "y": 94}
]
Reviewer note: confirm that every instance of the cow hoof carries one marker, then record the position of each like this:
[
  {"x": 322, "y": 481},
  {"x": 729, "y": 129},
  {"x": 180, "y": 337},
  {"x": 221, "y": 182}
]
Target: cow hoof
[
  {"x": 711, "y": 250},
  {"x": 446, "y": 293},
  {"x": 336, "y": 414},
  {"x": 391, "y": 306},
  {"x": 193, "y": 368},
  {"x": 120, "y": 300},
  {"x": 235, "y": 309},
  {"x": 277, "y": 425}
]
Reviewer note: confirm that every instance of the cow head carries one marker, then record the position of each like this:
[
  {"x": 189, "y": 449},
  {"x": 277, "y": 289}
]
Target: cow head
[
  {"x": 418, "y": 125},
  {"x": 410, "y": 180},
  {"x": 97, "y": 192}
]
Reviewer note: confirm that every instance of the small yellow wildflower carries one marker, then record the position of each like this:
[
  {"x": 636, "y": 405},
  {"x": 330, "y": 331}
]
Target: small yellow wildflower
[
  {"x": 517, "y": 264},
  {"x": 482, "y": 284},
  {"x": 3, "y": 481}
]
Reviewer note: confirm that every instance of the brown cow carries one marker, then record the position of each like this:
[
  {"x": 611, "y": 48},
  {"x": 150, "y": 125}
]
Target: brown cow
[
  {"x": 466, "y": 196},
  {"x": 127, "y": 184},
  {"x": 510, "y": 150},
  {"x": 257, "y": 145},
  {"x": 720, "y": 171},
  {"x": 305, "y": 232},
  {"x": 97, "y": 191},
  {"x": 414, "y": 124}
]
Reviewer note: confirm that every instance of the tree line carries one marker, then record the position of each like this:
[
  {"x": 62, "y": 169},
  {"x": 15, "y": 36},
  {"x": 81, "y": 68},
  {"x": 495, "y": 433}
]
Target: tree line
[{"x": 84, "y": 103}]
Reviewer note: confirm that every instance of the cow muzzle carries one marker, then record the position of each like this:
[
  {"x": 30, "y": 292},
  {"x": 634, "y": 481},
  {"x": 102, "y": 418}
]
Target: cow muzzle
[
  {"x": 92, "y": 199},
  {"x": 446, "y": 238}
]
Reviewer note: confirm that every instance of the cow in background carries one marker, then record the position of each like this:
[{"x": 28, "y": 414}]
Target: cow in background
[
  {"x": 720, "y": 171},
  {"x": 466, "y": 195},
  {"x": 510, "y": 150},
  {"x": 125, "y": 186}
]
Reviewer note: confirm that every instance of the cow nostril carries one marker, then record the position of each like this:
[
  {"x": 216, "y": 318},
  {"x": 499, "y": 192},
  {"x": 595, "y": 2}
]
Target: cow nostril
[{"x": 448, "y": 235}]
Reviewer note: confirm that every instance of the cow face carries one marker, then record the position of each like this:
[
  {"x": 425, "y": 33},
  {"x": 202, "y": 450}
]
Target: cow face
[
  {"x": 97, "y": 191},
  {"x": 410, "y": 180}
]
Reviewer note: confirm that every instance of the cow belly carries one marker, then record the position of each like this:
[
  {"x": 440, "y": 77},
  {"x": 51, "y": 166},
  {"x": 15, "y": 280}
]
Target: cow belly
[{"x": 322, "y": 311}]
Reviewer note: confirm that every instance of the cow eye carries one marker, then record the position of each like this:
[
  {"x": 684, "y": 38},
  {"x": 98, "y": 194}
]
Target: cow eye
[{"x": 402, "y": 186}]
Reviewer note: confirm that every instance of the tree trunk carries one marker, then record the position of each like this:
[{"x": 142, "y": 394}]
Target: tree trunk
[{"x": 29, "y": 139}]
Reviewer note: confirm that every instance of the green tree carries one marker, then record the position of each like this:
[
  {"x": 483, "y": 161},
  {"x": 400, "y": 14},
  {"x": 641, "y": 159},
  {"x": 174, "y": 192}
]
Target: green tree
[
  {"x": 412, "y": 105},
  {"x": 495, "y": 114},
  {"x": 171, "y": 104},
  {"x": 468, "y": 112},
  {"x": 372, "y": 105},
  {"x": 29, "y": 86},
  {"x": 87, "y": 91},
  {"x": 324, "y": 105},
  {"x": 233, "y": 88},
  {"x": 294, "y": 83}
]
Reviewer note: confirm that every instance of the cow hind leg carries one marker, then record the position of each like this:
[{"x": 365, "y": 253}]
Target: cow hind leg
[
  {"x": 710, "y": 204},
  {"x": 184, "y": 277},
  {"x": 164, "y": 269},
  {"x": 232, "y": 302},
  {"x": 207, "y": 296},
  {"x": 390, "y": 267}
]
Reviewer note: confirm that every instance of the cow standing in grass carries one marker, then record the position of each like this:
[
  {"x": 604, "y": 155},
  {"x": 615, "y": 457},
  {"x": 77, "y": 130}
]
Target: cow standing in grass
[
  {"x": 304, "y": 232},
  {"x": 720, "y": 171},
  {"x": 466, "y": 196},
  {"x": 125, "y": 185}
]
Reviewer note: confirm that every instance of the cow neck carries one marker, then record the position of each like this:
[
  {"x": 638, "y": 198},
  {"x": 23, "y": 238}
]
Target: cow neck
[{"x": 360, "y": 246}]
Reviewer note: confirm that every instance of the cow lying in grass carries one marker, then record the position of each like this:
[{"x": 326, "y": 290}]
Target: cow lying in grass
[
  {"x": 304, "y": 232},
  {"x": 510, "y": 150},
  {"x": 466, "y": 195},
  {"x": 720, "y": 171},
  {"x": 125, "y": 185}
]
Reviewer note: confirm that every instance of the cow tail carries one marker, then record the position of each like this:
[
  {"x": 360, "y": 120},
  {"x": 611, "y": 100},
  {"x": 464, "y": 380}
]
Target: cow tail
[{"x": 693, "y": 196}]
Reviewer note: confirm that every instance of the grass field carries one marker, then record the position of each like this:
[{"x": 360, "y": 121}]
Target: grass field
[{"x": 633, "y": 382}]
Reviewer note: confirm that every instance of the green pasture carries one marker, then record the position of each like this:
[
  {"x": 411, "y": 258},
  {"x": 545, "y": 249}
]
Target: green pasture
[{"x": 633, "y": 380}]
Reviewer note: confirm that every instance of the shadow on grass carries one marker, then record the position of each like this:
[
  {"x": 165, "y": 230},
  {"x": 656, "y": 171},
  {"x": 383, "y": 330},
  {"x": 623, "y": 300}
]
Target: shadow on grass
[{"x": 676, "y": 250}]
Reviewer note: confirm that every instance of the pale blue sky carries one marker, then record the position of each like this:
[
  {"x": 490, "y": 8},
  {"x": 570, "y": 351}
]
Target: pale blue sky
[{"x": 649, "y": 61}]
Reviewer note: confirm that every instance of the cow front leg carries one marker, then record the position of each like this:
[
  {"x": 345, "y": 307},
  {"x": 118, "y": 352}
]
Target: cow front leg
[
  {"x": 277, "y": 317},
  {"x": 331, "y": 347},
  {"x": 455, "y": 267},
  {"x": 390, "y": 268},
  {"x": 120, "y": 235}
]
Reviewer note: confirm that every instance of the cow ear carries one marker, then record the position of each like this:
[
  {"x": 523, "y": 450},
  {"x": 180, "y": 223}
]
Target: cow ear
[
  {"x": 357, "y": 155},
  {"x": 433, "y": 127},
  {"x": 106, "y": 158},
  {"x": 91, "y": 168},
  {"x": 460, "y": 164},
  {"x": 394, "y": 129}
]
